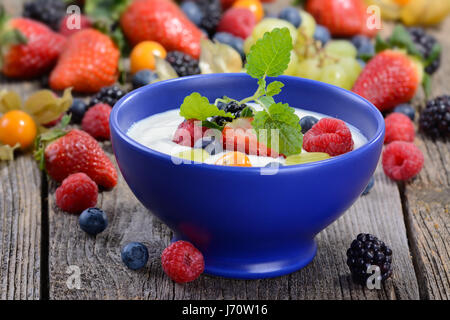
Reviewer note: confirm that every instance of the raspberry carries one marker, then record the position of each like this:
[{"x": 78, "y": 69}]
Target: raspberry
[
  {"x": 329, "y": 135},
  {"x": 96, "y": 121},
  {"x": 238, "y": 21},
  {"x": 187, "y": 134},
  {"x": 182, "y": 262},
  {"x": 402, "y": 160},
  {"x": 76, "y": 193},
  {"x": 399, "y": 127}
]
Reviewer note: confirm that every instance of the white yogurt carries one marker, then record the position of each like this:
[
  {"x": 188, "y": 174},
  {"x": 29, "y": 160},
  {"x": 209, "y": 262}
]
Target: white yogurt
[{"x": 156, "y": 132}]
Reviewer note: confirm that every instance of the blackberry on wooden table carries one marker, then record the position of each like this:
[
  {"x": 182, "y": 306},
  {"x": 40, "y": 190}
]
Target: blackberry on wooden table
[
  {"x": 435, "y": 118},
  {"x": 425, "y": 43},
  {"x": 183, "y": 64},
  {"x": 365, "y": 251},
  {"x": 49, "y": 12},
  {"x": 212, "y": 13},
  {"x": 109, "y": 95}
]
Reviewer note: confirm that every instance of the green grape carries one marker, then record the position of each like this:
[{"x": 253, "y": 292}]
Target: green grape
[
  {"x": 351, "y": 67},
  {"x": 306, "y": 51},
  {"x": 335, "y": 74},
  {"x": 248, "y": 44},
  {"x": 306, "y": 157},
  {"x": 267, "y": 25},
  {"x": 341, "y": 48},
  {"x": 197, "y": 155},
  {"x": 308, "y": 26},
  {"x": 310, "y": 69},
  {"x": 293, "y": 65}
]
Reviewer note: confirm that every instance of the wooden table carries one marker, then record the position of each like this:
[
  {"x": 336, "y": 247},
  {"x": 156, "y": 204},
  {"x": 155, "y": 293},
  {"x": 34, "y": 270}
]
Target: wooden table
[{"x": 39, "y": 243}]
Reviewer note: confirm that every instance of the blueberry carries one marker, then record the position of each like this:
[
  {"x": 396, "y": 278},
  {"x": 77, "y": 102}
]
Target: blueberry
[
  {"x": 364, "y": 45},
  {"x": 210, "y": 144},
  {"x": 134, "y": 255},
  {"x": 93, "y": 221},
  {"x": 322, "y": 34},
  {"x": 361, "y": 63},
  {"x": 273, "y": 164},
  {"x": 369, "y": 186},
  {"x": 406, "y": 109},
  {"x": 291, "y": 15},
  {"x": 77, "y": 110},
  {"x": 235, "y": 42},
  {"x": 307, "y": 123},
  {"x": 192, "y": 11},
  {"x": 143, "y": 77}
]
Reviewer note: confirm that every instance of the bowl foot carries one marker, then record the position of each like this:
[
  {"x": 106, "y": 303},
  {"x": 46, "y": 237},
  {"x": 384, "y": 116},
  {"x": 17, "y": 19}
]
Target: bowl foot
[{"x": 256, "y": 268}]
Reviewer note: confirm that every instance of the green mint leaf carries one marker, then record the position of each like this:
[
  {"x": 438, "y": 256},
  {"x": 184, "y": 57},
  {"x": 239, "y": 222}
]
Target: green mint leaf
[
  {"x": 426, "y": 84},
  {"x": 402, "y": 39},
  {"x": 280, "y": 117},
  {"x": 198, "y": 107},
  {"x": 266, "y": 101},
  {"x": 270, "y": 55},
  {"x": 247, "y": 113},
  {"x": 380, "y": 44},
  {"x": 274, "y": 88},
  {"x": 434, "y": 54},
  {"x": 212, "y": 125}
]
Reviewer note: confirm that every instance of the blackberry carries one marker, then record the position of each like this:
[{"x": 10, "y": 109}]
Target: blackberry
[
  {"x": 49, "y": 12},
  {"x": 425, "y": 43},
  {"x": 108, "y": 95},
  {"x": 212, "y": 13},
  {"x": 366, "y": 250},
  {"x": 183, "y": 64},
  {"x": 435, "y": 118},
  {"x": 232, "y": 107}
]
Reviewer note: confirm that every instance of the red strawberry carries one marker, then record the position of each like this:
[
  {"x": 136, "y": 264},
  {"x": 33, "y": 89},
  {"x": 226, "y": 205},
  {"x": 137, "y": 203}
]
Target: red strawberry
[
  {"x": 341, "y": 17},
  {"x": 89, "y": 63},
  {"x": 67, "y": 26},
  {"x": 76, "y": 152},
  {"x": 33, "y": 48},
  {"x": 161, "y": 21},
  {"x": 188, "y": 132},
  {"x": 389, "y": 79},
  {"x": 227, "y": 3},
  {"x": 240, "y": 136}
]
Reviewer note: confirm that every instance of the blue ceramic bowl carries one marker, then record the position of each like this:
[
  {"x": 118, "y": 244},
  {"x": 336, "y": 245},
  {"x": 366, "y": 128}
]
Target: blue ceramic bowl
[{"x": 247, "y": 225}]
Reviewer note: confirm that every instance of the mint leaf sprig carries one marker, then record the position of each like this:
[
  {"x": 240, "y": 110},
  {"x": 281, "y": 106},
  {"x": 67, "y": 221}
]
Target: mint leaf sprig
[{"x": 268, "y": 57}]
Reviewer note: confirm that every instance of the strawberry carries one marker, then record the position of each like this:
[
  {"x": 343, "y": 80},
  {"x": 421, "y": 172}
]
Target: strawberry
[
  {"x": 161, "y": 21},
  {"x": 389, "y": 79},
  {"x": 76, "y": 152},
  {"x": 341, "y": 17},
  {"x": 29, "y": 48},
  {"x": 89, "y": 63},
  {"x": 240, "y": 136}
]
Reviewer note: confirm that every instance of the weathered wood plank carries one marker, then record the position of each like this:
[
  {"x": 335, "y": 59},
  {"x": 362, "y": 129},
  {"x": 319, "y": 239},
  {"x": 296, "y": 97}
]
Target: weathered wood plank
[
  {"x": 427, "y": 198},
  {"x": 103, "y": 276},
  {"x": 20, "y": 220}
]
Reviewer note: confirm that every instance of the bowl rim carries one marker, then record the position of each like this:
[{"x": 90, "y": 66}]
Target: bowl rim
[{"x": 114, "y": 125}]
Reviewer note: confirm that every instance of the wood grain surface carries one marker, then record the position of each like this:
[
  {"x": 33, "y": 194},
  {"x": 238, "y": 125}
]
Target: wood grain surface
[{"x": 40, "y": 246}]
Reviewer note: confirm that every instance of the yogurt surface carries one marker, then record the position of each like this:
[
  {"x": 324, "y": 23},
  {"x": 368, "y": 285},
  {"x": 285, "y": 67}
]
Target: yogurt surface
[{"x": 156, "y": 132}]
